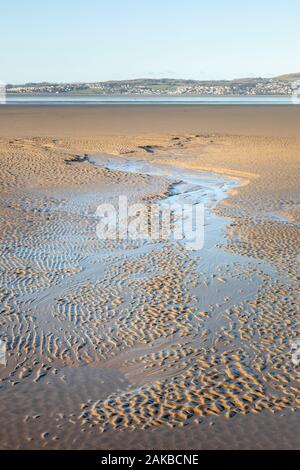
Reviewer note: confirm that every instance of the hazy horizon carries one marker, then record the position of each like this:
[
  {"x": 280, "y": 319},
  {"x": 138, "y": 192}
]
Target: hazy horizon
[
  {"x": 125, "y": 40},
  {"x": 151, "y": 78}
]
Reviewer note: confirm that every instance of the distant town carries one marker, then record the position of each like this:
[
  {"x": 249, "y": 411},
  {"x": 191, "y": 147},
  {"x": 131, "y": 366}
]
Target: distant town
[{"x": 282, "y": 85}]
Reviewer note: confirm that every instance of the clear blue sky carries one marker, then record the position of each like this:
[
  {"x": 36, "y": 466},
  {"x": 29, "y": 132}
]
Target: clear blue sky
[{"x": 64, "y": 40}]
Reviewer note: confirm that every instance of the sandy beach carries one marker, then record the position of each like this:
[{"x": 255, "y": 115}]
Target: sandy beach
[
  {"x": 93, "y": 121},
  {"x": 122, "y": 344}
]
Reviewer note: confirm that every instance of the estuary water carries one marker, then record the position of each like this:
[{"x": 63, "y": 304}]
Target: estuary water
[{"x": 147, "y": 100}]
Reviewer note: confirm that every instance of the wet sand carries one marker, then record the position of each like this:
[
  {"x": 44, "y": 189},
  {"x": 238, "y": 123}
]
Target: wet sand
[
  {"x": 146, "y": 345},
  {"x": 93, "y": 121}
]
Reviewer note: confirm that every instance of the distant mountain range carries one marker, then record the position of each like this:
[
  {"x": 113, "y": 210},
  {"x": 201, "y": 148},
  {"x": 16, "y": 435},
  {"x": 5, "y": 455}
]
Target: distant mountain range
[{"x": 280, "y": 85}]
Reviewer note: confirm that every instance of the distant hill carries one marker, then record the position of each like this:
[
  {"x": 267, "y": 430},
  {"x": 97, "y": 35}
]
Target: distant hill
[
  {"x": 290, "y": 77},
  {"x": 281, "y": 85},
  {"x": 162, "y": 83}
]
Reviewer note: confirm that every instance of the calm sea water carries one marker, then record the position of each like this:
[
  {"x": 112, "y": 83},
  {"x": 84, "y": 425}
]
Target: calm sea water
[{"x": 147, "y": 100}]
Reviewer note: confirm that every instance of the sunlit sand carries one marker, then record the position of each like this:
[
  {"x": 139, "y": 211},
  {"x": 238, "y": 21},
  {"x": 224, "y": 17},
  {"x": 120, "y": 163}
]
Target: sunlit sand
[{"x": 114, "y": 343}]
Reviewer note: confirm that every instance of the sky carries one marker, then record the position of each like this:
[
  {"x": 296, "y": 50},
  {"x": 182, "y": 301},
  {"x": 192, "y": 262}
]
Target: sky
[{"x": 96, "y": 40}]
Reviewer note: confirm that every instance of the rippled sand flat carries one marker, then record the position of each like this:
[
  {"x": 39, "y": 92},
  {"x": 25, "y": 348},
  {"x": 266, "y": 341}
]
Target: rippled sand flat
[{"x": 123, "y": 344}]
